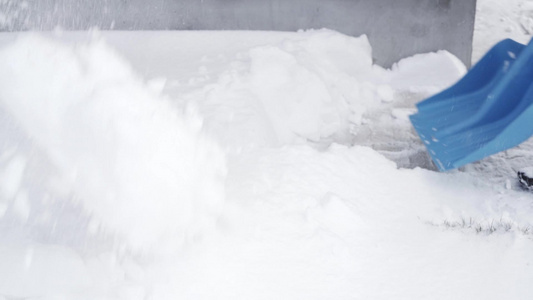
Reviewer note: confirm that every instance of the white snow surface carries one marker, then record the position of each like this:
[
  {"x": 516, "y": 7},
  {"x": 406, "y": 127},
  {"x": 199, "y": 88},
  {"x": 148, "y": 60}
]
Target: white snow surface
[
  {"x": 497, "y": 20},
  {"x": 527, "y": 171},
  {"x": 242, "y": 165}
]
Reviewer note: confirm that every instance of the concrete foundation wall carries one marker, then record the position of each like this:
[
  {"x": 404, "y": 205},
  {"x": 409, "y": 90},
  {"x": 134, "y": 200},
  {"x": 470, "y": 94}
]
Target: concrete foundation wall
[{"x": 396, "y": 28}]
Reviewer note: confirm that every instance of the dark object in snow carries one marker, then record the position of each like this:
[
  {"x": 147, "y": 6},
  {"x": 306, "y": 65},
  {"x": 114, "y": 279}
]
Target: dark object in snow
[
  {"x": 489, "y": 110},
  {"x": 525, "y": 180}
]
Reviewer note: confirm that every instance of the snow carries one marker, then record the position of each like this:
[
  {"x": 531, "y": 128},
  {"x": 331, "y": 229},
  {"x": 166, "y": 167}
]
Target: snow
[
  {"x": 112, "y": 140},
  {"x": 243, "y": 165},
  {"x": 498, "y": 20},
  {"x": 35, "y": 270},
  {"x": 527, "y": 171}
]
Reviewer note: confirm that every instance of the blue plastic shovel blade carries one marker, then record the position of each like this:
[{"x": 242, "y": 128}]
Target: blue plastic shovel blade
[{"x": 487, "y": 111}]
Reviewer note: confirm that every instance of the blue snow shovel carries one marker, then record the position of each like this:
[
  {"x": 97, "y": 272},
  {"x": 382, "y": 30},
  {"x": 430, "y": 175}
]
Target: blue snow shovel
[{"x": 489, "y": 110}]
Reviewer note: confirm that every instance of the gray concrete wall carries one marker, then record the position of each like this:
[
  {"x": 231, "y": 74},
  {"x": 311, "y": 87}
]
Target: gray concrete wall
[{"x": 396, "y": 28}]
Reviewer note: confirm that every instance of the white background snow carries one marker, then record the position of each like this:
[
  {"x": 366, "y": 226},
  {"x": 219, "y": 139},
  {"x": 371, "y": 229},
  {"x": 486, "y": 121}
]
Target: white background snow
[{"x": 247, "y": 165}]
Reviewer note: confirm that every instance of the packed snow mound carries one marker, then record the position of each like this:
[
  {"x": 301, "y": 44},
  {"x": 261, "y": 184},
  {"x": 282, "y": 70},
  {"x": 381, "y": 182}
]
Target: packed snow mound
[
  {"x": 312, "y": 86},
  {"x": 441, "y": 69},
  {"x": 138, "y": 165}
]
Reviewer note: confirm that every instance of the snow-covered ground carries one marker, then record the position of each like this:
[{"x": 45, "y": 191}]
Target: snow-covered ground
[
  {"x": 246, "y": 165},
  {"x": 497, "y": 20}
]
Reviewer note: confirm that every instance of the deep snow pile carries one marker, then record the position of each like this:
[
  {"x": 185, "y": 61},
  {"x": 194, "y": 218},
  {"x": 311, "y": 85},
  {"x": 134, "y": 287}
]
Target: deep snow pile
[
  {"x": 262, "y": 167},
  {"x": 111, "y": 143}
]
